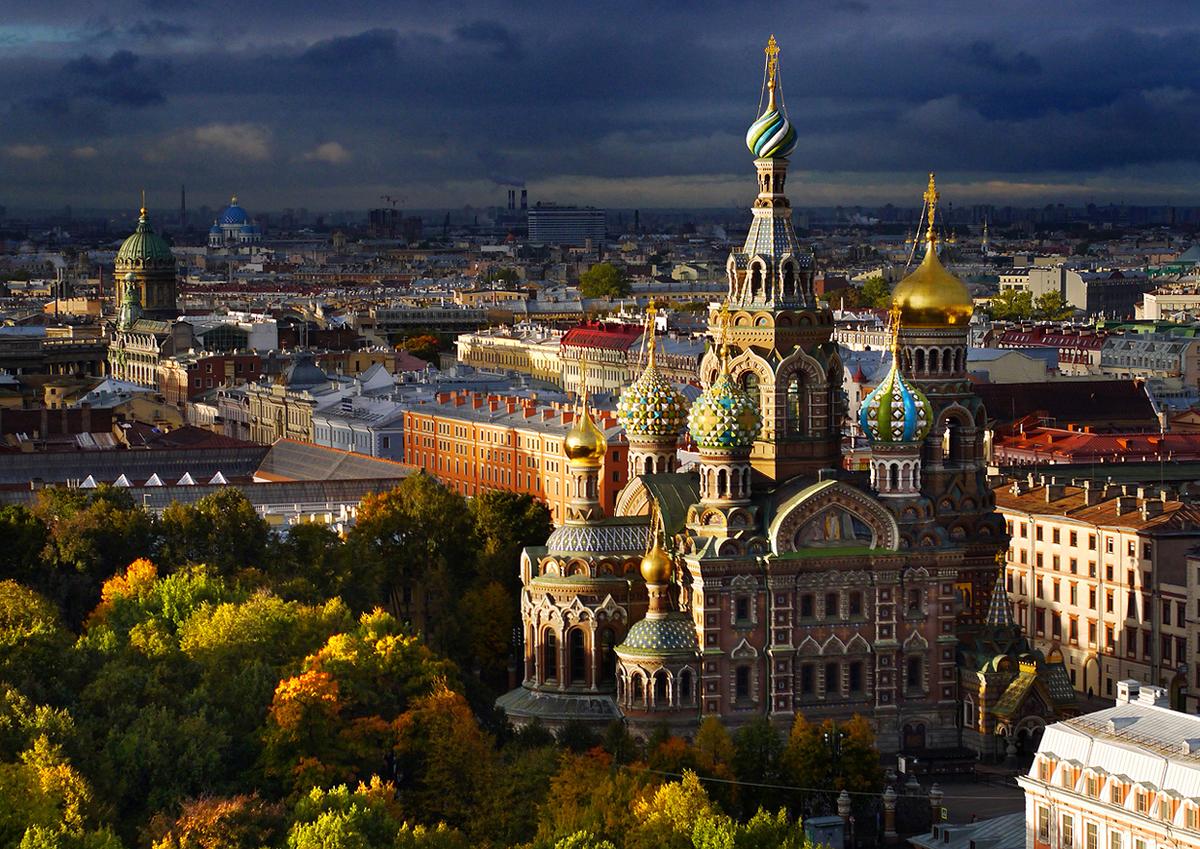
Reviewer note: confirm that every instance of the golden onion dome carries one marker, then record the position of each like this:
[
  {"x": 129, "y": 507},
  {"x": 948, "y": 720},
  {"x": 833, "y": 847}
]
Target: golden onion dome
[
  {"x": 656, "y": 565},
  {"x": 585, "y": 444},
  {"x": 933, "y": 297}
]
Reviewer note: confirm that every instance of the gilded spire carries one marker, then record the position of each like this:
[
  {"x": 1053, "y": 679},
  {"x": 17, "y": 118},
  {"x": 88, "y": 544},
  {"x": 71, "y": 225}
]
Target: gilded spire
[
  {"x": 772, "y": 52},
  {"x": 585, "y": 443},
  {"x": 723, "y": 322},
  {"x": 651, "y": 342},
  {"x": 931, "y": 202},
  {"x": 894, "y": 314},
  {"x": 142, "y": 214}
]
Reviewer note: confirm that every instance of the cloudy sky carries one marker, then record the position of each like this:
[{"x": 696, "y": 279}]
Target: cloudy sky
[{"x": 330, "y": 105}]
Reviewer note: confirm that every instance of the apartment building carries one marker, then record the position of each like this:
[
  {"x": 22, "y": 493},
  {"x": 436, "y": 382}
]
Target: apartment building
[
  {"x": 1098, "y": 577},
  {"x": 1123, "y": 778},
  {"x": 475, "y": 442}
]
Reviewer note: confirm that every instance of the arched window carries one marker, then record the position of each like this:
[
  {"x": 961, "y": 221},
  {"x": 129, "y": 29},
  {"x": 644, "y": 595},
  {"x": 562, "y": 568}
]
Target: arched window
[
  {"x": 756, "y": 282},
  {"x": 795, "y": 406},
  {"x": 577, "y": 657},
  {"x": 920, "y": 359},
  {"x": 608, "y": 655},
  {"x": 660, "y": 689},
  {"x": 893, "y": 477},
  {"x": 636, "y": 689},
  {"x": 550, "y": 656},
  {"x": 722, "y": 480},
  {"x": 789, "y": 280},
  {"x": 933, "y": 361},
  {"x": 685, "y": 687}
]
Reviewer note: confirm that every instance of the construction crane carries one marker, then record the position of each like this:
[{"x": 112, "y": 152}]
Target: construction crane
[{"x": 393, "y": 200}]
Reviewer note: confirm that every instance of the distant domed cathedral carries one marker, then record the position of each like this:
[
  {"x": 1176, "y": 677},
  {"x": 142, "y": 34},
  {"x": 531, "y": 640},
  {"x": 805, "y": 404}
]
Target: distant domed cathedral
[
  {"x": 233, "y": 228},
  {"x": 768, "y": 581}
]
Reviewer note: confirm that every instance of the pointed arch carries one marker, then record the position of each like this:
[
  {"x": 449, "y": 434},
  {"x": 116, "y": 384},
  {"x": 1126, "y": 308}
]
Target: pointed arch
[{"x": 806, "y": 504}]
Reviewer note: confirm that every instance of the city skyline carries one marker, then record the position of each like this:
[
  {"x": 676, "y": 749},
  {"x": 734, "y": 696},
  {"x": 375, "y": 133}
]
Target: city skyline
[{"x": 307, "y": 106}]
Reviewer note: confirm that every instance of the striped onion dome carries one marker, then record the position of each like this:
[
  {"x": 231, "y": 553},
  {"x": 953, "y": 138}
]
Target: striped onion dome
[
  {"x": 895, "y": 411},
  {"x": 772, "y": 136}
]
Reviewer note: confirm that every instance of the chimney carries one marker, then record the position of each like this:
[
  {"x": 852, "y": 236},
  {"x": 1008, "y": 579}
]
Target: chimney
[
  {"x": 1090, "y": 495},
  {"x": 1126, "y": 504},
  {"x": 1151, "y": 507},
  {"x": 476, "y": 402},
  {"x": 1152, "y": 694},
  {"x": 1127, "y": 691},
  {"x": 1054, "y": 490}
]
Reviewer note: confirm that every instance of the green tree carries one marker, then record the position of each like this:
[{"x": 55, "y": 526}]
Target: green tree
[
  {"x": 34, "y": 645},
  {"x": 25, "y": 537},
  {"x": 365, "y": 818},
  {"x": 507, "y": 522},
  {"x": 503, "y": 277},
  {"x": 876, "y": 292},
  {"x": 222, "y": 530},
  {"x": 1012, "y": 305},
  {"x": 1052, "y": 306},
  {"x": 758, "y": 750},
  {"x": 415, "y": 546},
  {"x": 604, "y": 280},
  {"x": 309, "y": 563}
]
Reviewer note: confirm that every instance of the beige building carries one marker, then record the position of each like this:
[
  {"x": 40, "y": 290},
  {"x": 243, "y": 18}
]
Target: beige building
[
  {"x": 524, "y": 349},
  {"x": 1123, "y": 778},
  {"x": 1169, "y": 301},
  {"x": 283, "y": 408},
  {"x": 1097, "y": 576}
]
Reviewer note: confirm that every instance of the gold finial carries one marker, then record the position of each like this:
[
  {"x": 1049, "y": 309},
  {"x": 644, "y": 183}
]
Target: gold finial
[
  {"x": 894, "y": 314},
  {"x": 233, "y": 201},
  {"x": 583, "y": 389},
  {"x": 931, "y": 201},
  {"x": 651, "y": 310},
  {"x": 143, "y": 210},
  {"x": 772, "y": 51},
  {"x": 1000, "y": 558},
  {"x": 724, "y": 319}
]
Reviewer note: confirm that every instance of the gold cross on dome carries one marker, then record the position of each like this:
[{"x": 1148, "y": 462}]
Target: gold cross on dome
[
  {"x": 931, "y": 200},
  {"x": 772, "y": 51}
]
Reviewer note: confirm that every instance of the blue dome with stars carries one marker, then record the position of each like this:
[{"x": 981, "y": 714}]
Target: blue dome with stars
[{"x": 234, "y": 214}]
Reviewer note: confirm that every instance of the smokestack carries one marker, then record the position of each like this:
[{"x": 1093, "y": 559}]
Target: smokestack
[
  {"x": 182, "y": 207},
  {"x": 524, "y": 199},
  {"x": 512, "y": 199}
]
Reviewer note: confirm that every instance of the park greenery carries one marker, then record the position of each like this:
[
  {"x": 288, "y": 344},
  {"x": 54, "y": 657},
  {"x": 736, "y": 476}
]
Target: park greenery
[
  {"x": 196, "y": 680},
  {"x": 604, "y": 280}
]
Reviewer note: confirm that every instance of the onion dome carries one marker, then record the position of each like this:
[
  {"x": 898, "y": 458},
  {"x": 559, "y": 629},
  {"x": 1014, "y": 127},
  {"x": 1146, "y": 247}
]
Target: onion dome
[
  {"x": 724, "y": 416},
  {"x": 144, "y": 247},
  {"x": 651, "y": 406},
  {"x": 585, "y": 443},
  {"x": 667, "y": 635},
  {"x": 215, "y": 230},
  {"x": 931, "y": 296},
  {"x": 234, "y": 214},
  {"x": 772, "y": 136},
  {"x": 656, "y": 565},
  {"x": 895, "y": 411}
]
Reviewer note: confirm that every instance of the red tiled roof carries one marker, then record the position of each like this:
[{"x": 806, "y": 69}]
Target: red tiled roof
[
  {"x": 1068, "y": 446},
  {"x": 602, "y": 334}
]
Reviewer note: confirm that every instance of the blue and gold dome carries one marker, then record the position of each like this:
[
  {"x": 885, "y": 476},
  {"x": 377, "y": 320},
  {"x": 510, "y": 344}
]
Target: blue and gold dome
[
  {"x": 651, "y": 406},
  {"x": 895, "y": 411},
  {"x": 724, "y": 416},
  {"x": 772, "y": 135},
  {"x": 234, "y": 213}
]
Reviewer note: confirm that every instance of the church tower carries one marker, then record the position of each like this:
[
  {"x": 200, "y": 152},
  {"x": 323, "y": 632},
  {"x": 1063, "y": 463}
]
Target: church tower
[
  {"x": 147, "y": 256},
  {"x": 935, "y": 311},
  {"x": 653, "y": 413},
  {"x": 782, "y": 351}
]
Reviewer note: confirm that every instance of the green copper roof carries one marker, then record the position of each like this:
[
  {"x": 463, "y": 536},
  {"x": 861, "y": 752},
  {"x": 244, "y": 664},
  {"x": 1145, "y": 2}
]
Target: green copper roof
[
  {"x": 673, "y": 634},
  {"x": 144, "y": 247}
]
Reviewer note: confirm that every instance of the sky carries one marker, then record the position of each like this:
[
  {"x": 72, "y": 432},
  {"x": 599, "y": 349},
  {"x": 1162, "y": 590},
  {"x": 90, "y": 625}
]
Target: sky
[{"x": 624, "y": 104}]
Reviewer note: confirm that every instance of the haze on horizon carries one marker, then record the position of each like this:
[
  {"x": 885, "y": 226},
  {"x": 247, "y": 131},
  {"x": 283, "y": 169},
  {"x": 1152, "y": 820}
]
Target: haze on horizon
[{"x": 620, "y": 104}]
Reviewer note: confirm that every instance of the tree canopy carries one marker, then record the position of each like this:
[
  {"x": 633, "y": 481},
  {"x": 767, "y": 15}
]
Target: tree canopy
[{"x": 604, "y": 280}]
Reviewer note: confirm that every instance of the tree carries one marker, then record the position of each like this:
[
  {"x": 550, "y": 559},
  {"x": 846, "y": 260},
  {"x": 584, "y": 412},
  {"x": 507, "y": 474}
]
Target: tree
[
  {"x": 215, "y": 822},
  {"x": 757, "y": 753},
  {"x": 505, "y": 523},
  {"x": 876, "y": 292},
  {"x": 503, "y": 277},
  {"x": 1012, "y": 305},
  {"x": 415, "y": 545},
  {"x": 339, "y": 818},
  {"x": 309, "y": 563},
  {"x": 25, "y": 537},
  {"x": 423, "y": 345},
  {"x": 604, "y": 280},
  {"x": 222, "y": 530},
  {"x": 1052, "y": 306},
  {"x": 34, "y": 645}
]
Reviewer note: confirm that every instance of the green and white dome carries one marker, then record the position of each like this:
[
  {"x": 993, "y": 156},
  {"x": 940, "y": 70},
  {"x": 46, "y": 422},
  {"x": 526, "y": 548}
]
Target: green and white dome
[
  {"x": 651, "y": 406},
  {"x": 724, "y": 416}
]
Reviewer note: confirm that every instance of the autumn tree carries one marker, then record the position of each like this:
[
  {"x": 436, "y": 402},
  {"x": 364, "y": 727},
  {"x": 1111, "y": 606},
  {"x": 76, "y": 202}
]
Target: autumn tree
[
  {"x": 221, "y": 822},
  {"x": 423, "y": 345}
]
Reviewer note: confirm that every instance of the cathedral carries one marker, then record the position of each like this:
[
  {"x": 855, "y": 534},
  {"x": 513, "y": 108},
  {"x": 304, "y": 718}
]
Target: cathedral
[{"x": 767, "y": 580}]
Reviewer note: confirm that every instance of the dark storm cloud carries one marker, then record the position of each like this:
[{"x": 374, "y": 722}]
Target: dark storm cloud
[
  {"x": 120, "y": 80},
  {"x": 503, "y": 42},
  {"x": 388, "y": 94}
]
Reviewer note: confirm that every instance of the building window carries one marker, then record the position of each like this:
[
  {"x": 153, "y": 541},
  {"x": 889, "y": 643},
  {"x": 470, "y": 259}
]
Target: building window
[
  {"x": 1074, "y": 539},
  {"x": 807, "y": 679},
  {"x": 1067, "y": 833},
  {"x": 831, "y": 605},
  {"x": 855, "y": 676},
  {"x": 1043, "y": 823},
  {"x": 1091, "y": 542},
  {"x": 1092, "y": 841},
  {"x": 742, "y": 608},
  {"x": 742, "y": 683},
  {"x": 856, "y": 605},
  {"x": 806, "y": 606},
  {"x": 1037, "y": 532},
  {"x": 1117, "y": 794},
  {"x": 833, "y": 675},
  {"x": 913, "y": 671}
]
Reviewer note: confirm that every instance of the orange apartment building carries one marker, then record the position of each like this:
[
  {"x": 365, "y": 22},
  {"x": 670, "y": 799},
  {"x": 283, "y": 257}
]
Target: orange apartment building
[
  {"x": 475, "y": 442},
  {"x": 1123, "y": 778}
]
